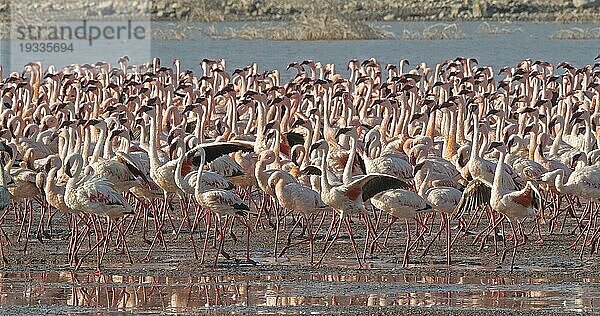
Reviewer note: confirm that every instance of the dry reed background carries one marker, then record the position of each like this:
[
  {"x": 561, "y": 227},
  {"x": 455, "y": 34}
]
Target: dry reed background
[
  {"x": 311, "y": 27},
  {"x": 577, "y": 33},
  {"x": 307, "y": 27}
]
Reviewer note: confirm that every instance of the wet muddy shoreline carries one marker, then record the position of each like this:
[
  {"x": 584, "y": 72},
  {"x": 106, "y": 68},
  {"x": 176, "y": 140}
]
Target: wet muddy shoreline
[{"x": 548, "y": 279}]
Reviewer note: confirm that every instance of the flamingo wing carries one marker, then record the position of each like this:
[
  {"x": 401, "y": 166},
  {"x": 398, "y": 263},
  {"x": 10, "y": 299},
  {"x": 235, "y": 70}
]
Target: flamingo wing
[
  {"x": 225, "y": 202},
  {"x": 477, "y": 193},
  {"x": 294, "y": 138},
  {"x": 289, "y": 140},
  {"x": 125, "y": 159},
  {"x": 96, "y": 191},
  {"x": 372, "y": 184},
  {"x": 536, "y": 203},
  {"x": 311, "y": 170},
  {"x": 360, "y": 162},
  {"x": 218, "y": 149}
]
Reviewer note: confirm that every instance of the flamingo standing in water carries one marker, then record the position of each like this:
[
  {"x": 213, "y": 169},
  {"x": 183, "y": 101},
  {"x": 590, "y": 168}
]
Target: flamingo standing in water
[
  {"x": 118, "y": 104},
  {"x": 209, "y": 180},
  {"x": 583, "y": 183},
  {"x": 348, "y": 199},
  {"x": 221, "y": 203},
  {"x": 5, "y": 196},
  {"x": 515, "y": 205},
  {"x": 443, "y": 199},
  {"x": 55, "y": 195},
  {"x": 404, "y": 204},
  {"x": 262, "y": 178},
  {"x": 95, "y": 195},
  {"x": 296, "y": 197}
]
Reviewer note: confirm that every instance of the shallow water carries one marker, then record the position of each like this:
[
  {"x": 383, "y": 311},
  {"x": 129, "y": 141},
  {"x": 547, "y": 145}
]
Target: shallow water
[
  {"x": 530, "y": 40},
  {"x": 57, "y": 292},
  {"x": 526, "y": 40}
]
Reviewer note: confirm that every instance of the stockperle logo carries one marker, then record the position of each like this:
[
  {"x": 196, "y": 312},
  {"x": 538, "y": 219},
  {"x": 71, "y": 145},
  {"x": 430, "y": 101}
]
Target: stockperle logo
[{"x": 62, "y": 38}]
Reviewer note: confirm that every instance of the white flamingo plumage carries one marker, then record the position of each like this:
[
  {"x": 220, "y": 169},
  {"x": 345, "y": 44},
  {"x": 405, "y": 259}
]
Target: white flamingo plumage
[{"x": 94, "y": 195}]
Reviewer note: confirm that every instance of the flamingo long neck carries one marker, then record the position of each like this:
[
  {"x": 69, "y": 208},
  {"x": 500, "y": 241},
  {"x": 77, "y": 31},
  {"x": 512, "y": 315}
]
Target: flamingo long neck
[
  {"x": 207, "y": 113},
  {"x": 260, "y": 125},
  {"x": 532, "y": 142},
  {"x": 325, "y": 185},
  {"x": 544, "y": 86},
  {"x": 559, "y": 184},
  {"x": 423, "y": 186},
  {"x": 475, "y": 139},
  {"x": 588, "y": 138},
  {"x": 327, "y": 129},
  {"x": 153, "y": 152},
  {"x": 142, "y": 142},
  {"x": 63, "y": 145},
  {"x": 99, "y": 143},
  {"x": 317, "y": 128},
  {"x": 19, "y": 129},
  {"x": 178, "y": 176},
  {"x": 87, "y": 140},
  {"x": 498, "y": 175},
  {"x": 283, "y": 124},
  {"x": 2, "y": 178},
  {"x": 251, "y": 114},
  {"x": 279, "y": 184},
  {"x": 33, "y": 77},
  {"x": 460, "y": 124},
  {"x": 159, "y": 116},
  {"x": 50, "y": 185},
  {"x": 204, "y": 118},
  {"x": 584, "y": 80},
  {"x": 301, "y": 156},
  {"x": 484, "y": 144},
  {"x": 451, "y": 139},
  {"x": 375, "y": 148},
  {"x": 425, "y": 129},
  {"x": 198, "y": 189},
  {"x": 108, "y": 149},
  {"x": 407, "y": 113},
  {"x": 307, "y": 143},
  {"x": 171, "y": 116},
  {"x": 568, "y": 123},
  {"x": 77, "y": 136},
  {"x": 499, "y": 127},
  {"x": 78, "y": 162},
  {"x": 558, "y": 140},
  {"x": 244, "y": 84},
  {"x": 11, "y": 162},
  {"x": 387, "y": 117},
  {"x": 277, "y": 149},
  {"x": 234, "y": 116},
  {"x": 431, "y": 124},
  {"x": 597, "y": 136},
  {"x": 261, "y": 166},
  {"x": 367, "y": 104},
  {"x": 347, "y": 176},
  {"x": 401, "y": 67}
]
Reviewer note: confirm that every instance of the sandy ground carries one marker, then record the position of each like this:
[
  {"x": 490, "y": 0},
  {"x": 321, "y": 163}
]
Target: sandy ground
[{"x": 548, "y": 278}]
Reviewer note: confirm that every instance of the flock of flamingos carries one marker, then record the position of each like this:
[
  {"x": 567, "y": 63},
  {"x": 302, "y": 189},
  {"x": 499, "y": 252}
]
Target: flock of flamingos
[{"x": 162, "y": 155}]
